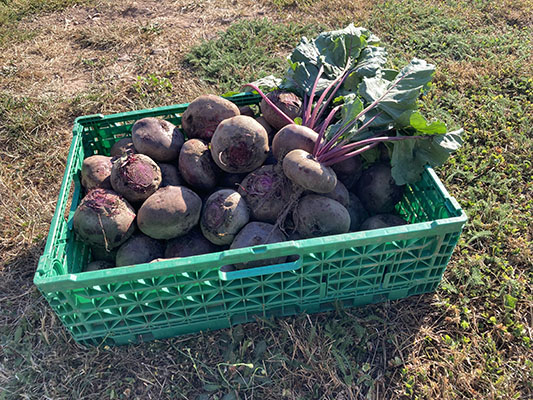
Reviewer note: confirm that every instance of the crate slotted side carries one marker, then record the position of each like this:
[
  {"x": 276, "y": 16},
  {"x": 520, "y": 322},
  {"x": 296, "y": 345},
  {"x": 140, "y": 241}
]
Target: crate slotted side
[{"x": 173, "y": 297}]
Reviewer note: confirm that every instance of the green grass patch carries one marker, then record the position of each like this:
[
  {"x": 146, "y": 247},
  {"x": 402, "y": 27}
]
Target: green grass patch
[
  {"x": 248, "y": 50},
  {"x": 15, "y": 10}
]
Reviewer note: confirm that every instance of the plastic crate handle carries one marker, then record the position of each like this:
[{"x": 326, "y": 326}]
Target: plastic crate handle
[{"x": 259, "y": 271}]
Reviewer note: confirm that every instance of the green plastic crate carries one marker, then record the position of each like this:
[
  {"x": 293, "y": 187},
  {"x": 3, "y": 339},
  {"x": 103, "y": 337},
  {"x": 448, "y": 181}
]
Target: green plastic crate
[{"x": 174, "y": 297}]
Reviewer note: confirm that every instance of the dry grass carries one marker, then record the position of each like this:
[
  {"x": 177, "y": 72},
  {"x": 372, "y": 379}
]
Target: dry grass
[{"x": 465, "y": 341}]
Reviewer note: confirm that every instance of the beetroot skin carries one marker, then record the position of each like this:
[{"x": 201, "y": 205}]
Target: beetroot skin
[
  {"x": 170, "y": 212},
  {"x": 256, "y": 233},
  {"x": 135, "y": 176},
  {"x": 139, "y": 249},
  {"x": 96, "y": 172},
  {"x": 197, "y": 166},
  {"x": 316, "y": 216},
  {"x": 104, "y": 219},
  {"x": 203, "y": 115},
  {"x": 267, "y": 192},
  {"x": 191, "y": 244},
  {"x": 287, "y": 102},
  {"x": 224, "y": 214},
  {"x": 239, "y": 144},
  {"x": 377, "y": 190},
  {"x": 157, "y": 138}
]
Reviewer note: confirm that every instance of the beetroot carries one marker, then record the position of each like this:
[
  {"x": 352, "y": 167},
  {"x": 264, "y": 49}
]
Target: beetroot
[
  {"x": 135, "y": 176},
  {"x": 349, "y": 171},
  {"x": 317, "y": 215},
  {"x": 287, "y": 102},
  {"x": 203, "y": 115},
  {"x": 139, "y": 249},
  {"x": 225, "y": 213},
  {"x": 170, "y": 175},
  {"x": 339, "y": 193},
  {"x": 292, "y": 137},
  {"x": 256, "y": 233},
  {"x": 247, "y": 110},
  {"x": 98, "y": 265},
  {"x": 239, "y": 144},
  {"x": 122, "y": 147},
  {"x": 191, "y": 244},
  {"x": 231, "y": 181},
  {"x": 96, "y": 172},
  {"x": 377, "y": 191},
  {"x": 170, "y": 212},
  {"x": 101, "y": 254},
  {"x": 157, "y": 138},
  {"x": 382, "y": 221},
  {"x": 267, "y": 192},
  {"x": 197, "y": 166},
  {"x": 269, "y": 130},
  {"x": 104, "y": 219},
  {"x": 357, "y": 212},
  {"x": 303, "y": 169}
]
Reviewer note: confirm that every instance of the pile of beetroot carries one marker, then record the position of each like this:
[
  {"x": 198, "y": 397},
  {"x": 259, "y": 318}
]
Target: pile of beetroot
[
  {"x": 236, "y": 181},
  {"x": 327, "y": 151}
]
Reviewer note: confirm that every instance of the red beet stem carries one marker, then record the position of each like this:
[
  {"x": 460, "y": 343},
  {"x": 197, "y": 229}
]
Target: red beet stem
[
  {"x": 321, "y": 105},
  {"x": 307, "y": 114},
  {"x": 345, "y": 150},
  {"x": 349, "y": 155},
  {"x": 338, "y": 146},
  {"x": 318, "y": 144}
]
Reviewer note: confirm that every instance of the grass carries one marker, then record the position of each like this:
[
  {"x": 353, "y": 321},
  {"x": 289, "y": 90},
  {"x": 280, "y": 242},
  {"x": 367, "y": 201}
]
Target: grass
[
  {"x": 247, "y": 50},
  {"x": 471, "y": 339},
  {"x": 12, "y": 11}
]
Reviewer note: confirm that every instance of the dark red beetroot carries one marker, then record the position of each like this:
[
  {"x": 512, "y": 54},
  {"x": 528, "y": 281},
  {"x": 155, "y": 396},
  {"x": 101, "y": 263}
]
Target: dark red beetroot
[
  {"x": 139, "y": 249},
  {"x": 157, "y": 138},
  {"x": 239, "y": 144},
  {"x": 197, "y": 166},
  {"x": 191, "y": 244},
  {"x": 304, "y": 170},
  {"x": 293, "y": 137},
  {"x": 170, "y": 212},
  {"x": 316, "y": 216},
  {"x": 203, "y": 115},
  {"x": 98, "y": 265},
  {"x": 357, "y": 212},
  {"x": 104, "y": 219},
  {"x": 122, "y": 147},
  {"x": 135, "y": 176},
  {"x": 256, "y": 233},
  {"x": 287, "y": 102},
  {"x": 267, "y": 192},
  {"x": 349, "y": 171},
  {"x": 170, "y": 175},
  {"x": 340, "y": 194},
  {"x": 377, "y": 191},
  {"x": 382, "y": 221},
  {"x": 224, "y": 214},
  {"x": 247, "y": 110},
  {"x": 96, "y": 172},
  {"x": 269, "y": 130}
]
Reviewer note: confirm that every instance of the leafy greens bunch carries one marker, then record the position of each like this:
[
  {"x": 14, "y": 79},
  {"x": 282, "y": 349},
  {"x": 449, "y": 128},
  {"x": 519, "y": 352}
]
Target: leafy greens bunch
[{"x": 354, "y": 102}]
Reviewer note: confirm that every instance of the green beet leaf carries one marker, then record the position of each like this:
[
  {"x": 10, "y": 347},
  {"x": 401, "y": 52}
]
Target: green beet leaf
[{"x": 409, "y": 157}]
